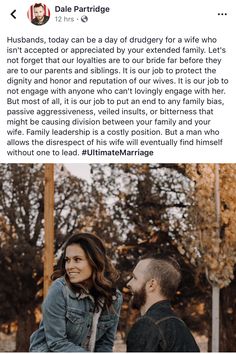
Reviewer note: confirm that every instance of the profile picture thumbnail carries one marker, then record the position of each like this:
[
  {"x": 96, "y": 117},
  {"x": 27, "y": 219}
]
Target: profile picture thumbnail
[{"x": 38, "y": 14}]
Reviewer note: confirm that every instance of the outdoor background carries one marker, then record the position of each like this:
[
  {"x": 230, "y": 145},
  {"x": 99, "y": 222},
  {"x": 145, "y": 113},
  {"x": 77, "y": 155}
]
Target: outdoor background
[{"x": 184, "y": 210}]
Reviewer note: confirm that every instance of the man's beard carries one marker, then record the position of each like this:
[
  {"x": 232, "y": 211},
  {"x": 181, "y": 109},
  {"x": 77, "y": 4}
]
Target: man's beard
[{"x": 139, "y": 298}]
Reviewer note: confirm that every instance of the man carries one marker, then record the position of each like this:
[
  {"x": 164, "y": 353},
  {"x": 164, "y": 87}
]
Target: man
[
  {"x": 154, "y": 282},
  {"x": 40, "y": 18}
]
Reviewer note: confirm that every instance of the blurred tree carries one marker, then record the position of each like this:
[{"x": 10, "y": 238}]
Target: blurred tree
[
  {"x": 72, "y": 204},
  {"x": 21, "y": 237},
  {"x": 211, "y": 246},
  {"x": 21, "y": 207}
]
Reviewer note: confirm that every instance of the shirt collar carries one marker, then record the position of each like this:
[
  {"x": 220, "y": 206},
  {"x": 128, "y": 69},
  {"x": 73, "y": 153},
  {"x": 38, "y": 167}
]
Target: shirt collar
[{"x": 159, "y": 304}]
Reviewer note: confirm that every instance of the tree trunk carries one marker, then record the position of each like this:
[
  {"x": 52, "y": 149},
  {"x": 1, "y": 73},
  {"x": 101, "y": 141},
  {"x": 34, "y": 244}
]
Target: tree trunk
[
  {"x": 26, "y": 324},
  {"x": 209, "y": 326},
  {"x": 228, "y": 318},
  {"x": 215, "y": 318}
]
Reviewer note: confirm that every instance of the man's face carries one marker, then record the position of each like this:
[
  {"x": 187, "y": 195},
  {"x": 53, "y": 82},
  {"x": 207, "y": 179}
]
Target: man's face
[
  {"x": 137, "y": 285},
  {"x": 139, "y": 298},
  {"x": 39, "y": 13}
]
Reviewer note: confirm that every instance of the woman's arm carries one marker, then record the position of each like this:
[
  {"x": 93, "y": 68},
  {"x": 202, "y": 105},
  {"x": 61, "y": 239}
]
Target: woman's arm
[{"x": 54, "y": 319}]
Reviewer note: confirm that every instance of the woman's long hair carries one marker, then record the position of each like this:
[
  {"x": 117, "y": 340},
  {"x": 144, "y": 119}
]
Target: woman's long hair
[{"x": 104, "y": 276}]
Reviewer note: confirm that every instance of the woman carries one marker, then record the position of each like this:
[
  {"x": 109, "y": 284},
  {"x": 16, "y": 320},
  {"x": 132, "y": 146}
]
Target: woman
[{"x": 81, "y": 310}]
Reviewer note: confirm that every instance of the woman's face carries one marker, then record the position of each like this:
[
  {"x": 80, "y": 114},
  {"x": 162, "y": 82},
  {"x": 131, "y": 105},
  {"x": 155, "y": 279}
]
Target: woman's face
[{"x": 77, "y": 266}]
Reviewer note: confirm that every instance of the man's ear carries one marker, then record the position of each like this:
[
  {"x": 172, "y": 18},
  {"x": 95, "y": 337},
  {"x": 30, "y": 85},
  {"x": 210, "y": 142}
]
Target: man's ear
[{"x": 151, "y": 285}]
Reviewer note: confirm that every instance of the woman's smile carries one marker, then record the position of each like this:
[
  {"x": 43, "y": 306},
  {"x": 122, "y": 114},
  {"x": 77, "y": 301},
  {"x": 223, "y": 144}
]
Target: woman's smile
[{"x": 77, "y": 265}]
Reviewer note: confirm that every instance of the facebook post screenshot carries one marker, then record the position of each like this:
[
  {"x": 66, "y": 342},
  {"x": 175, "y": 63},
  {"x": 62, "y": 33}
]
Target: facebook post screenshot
[
  {"x": 118, "y": 81},
  {"x": 117, "y": 176}
]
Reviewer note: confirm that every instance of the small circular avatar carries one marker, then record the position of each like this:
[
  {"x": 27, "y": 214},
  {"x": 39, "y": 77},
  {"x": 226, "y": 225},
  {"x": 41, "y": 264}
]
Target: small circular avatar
[{"x": 39, "y": 14}]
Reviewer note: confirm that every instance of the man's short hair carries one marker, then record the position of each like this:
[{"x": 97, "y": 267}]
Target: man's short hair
[
  {"x": 166, "y": 271},
  {"x": 38, "y": 5}
]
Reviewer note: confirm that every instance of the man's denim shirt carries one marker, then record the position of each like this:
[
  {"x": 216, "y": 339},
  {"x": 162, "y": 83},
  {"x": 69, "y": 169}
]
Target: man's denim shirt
[{"x": 67, "y": 321}]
